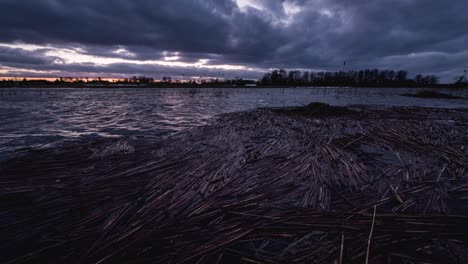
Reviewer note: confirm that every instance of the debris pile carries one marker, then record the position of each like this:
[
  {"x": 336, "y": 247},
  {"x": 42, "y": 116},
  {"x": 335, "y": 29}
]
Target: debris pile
[{"x": 316, "y": 184}]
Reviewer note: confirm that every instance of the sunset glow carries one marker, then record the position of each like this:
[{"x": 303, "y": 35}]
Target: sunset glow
[{"x": 236, "y": 38}]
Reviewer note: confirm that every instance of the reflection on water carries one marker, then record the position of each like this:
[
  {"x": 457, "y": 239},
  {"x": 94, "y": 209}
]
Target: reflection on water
[{"x": 37, "y": 118}]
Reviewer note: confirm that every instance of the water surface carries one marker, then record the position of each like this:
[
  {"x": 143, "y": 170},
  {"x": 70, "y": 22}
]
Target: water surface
[{"x": 39, "y": 118}]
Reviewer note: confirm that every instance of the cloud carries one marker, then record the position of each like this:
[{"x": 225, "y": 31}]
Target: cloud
[
  {"x": 18, "y": 57},
  {"x": 242, "y": 36}
]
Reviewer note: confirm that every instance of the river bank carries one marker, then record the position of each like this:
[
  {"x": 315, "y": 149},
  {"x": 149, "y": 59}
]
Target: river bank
[{"x": 318, "y": 184}]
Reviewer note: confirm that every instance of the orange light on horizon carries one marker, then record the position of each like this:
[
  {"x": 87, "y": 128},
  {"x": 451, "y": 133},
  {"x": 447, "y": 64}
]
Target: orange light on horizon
[{"x": 51, "y": 79}]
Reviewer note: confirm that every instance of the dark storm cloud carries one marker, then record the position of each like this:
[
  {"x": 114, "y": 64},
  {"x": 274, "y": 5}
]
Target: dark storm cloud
[
  {"x": 180, "y": 25},
  {"x": 16, "y": 57},
  {"x": 418, "y": 35}
]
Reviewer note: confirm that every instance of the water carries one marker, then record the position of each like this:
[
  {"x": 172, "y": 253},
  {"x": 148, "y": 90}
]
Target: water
[{"x": 40, "y": 118}]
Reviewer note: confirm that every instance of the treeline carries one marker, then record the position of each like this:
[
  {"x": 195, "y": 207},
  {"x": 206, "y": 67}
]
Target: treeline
[
  {"x": 375, "y": 78},
  {"x": 135, "y": 81},
  {"x": 275, "y": 78}
]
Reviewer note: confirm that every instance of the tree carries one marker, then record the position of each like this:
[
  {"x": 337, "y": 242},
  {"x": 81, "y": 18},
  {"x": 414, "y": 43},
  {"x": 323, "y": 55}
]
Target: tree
[
  {"x": 374, "y": 77},
  {"x": 418, "y": 79},
  {"x": 402, "y": 76}
]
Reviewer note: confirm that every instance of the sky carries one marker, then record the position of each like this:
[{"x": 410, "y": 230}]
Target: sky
[{"x": 230, "y": 38}]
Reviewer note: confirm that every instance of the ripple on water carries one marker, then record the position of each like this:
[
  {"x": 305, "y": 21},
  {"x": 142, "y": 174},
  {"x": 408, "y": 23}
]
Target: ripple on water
[{"x": 38, "y": 118}]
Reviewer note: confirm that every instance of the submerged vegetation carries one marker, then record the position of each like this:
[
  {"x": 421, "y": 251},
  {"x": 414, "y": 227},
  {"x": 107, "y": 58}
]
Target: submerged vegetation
[
  {"x": 316, "y": 184},
  {"x": 432, "y": 94}
]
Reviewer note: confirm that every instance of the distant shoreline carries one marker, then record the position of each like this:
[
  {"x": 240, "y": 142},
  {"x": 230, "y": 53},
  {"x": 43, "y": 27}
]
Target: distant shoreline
[{"x": 191, "y": 86}]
